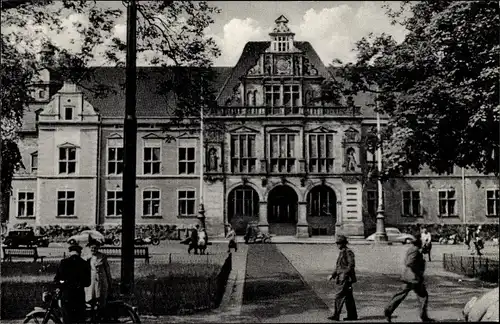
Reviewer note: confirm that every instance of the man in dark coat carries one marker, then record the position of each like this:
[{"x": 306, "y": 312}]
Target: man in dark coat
[
  {"x": 343, "y": 277},
  {"x": 413, "y": 277},
  {"x": 75, "y": 274},
  {"x": 193, "y": 243}
]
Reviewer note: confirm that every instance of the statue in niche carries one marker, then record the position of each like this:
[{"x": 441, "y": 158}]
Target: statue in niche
[
  {"x": 351, "y": 159},
  {"x": 255, "y": 70},
  {"x": 212, "y": 159},
  {"x": 296, "y": 65},
  {"x": 309, "y": 69},
  {"x": 268, "y": 66}
]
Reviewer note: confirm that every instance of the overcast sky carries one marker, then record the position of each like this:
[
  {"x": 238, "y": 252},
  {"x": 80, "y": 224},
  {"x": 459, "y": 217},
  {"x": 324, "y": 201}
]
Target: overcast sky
[{"x": 332, "y": 27}]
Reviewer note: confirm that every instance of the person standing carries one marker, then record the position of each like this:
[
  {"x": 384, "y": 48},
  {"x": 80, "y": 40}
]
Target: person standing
[
  {"x": 468, "y": 237},
  {"x": 478, "y": 240},
  {"x": 193, "y": 244},
  {"x": 100, "y": 276},
  {"x": 426, "y": 239},
  {"x": 72, "y": 276},
  {"x": 202, "y": 240},
  {"x": 231, "y": 235},
  {"x": 413, "y": 277},
  {"x": 343, "y": 277}
]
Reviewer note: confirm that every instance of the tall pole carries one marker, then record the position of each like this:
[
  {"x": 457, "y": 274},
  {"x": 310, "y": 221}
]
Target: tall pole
[
  {"x": 463, "y": 198},
  {"x": 201, "y": 211},
  {"x": 129, "y": 165},
  {"x": 380, "y": 234}
]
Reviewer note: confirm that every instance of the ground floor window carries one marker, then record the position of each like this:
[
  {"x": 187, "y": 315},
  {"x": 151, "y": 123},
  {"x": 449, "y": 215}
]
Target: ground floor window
[
  {"x": 321, "y": 201},
  {"x": 65, "y": 203},
  {"x": 411, "y": 203},
  {"x": 493, "y": 202},
  {"x": 151, "y": 203},
  {"x": 114, "y": 203},
  {"x": 243, "y": 201},
  {"x": 186, "y": 201},
  {"x": 447, "y": 203},
  {"x": 26, "y": 204}
]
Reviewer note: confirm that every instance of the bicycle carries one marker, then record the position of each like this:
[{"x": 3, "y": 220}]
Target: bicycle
[{"x": 115, "y": 311}]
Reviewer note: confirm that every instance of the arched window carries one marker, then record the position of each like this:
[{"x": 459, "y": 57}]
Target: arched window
[
  {"x": 250, "y": 98},
  {"x": 243, "y": 202},
  {"x": 254, "y": 98},
  {"x": 321, "y": 201}
]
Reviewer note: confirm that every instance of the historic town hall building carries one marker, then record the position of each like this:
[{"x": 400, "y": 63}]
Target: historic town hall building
[{"x": 292, "y": 164}]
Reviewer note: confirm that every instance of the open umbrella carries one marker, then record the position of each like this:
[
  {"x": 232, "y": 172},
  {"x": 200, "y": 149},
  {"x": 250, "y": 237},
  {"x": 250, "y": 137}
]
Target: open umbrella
[{"x": 84, "y": 237}]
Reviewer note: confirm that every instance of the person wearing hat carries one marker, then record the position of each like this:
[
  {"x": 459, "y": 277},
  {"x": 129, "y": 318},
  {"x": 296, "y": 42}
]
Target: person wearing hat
[
  {"x": 100, "y": 275},
  {"x": 343, "y": 277},
  {"x": 413, "y": 277},
  {"x": 72, "y": 276}
]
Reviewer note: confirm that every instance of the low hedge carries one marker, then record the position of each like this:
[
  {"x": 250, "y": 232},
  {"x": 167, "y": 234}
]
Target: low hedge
[
  {"x": 57, "y": 233},
  {"x": 482, "y": 268},
  {"x": 159, "y": 289}
]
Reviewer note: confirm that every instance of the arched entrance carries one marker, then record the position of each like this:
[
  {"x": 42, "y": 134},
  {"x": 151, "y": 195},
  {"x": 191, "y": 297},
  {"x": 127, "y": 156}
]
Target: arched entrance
[
  {"x": 242, "y": 207},
  {"x": 322, "y": 210},
  {"x": 282, "y": 208}
]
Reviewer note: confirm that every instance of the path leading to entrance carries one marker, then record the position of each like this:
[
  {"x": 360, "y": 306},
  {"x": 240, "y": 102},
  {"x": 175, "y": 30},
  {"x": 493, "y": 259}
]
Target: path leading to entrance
[{"x": 275, "y": 292}]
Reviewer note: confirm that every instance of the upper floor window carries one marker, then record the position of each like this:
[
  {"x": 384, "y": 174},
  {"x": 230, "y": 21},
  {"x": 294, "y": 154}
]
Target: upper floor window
[
  {"x": 447, "y": 202},
  {"x": 65, "y": 203},
  {"x": 186, "y": 201},
  {"x": 282, "y": 152},
  {"x": 114, "y": 203},
  {"x": 67, "y": 160},
  {"x": 115, "y": 160},
  {"x": 69, "y": 113},
  {"x": 25, "y": 204},
  {"x": 243, "y": 157},
  {"x": 411, "y": 203},
  {"x": 186, "y": 160},
  {"x": 321, "y": 152},
  {"x": 272, "y": 94},
  {"x": 493, "y": 202},
  {"x": 281, "y": 44},
  {"x": 151, "y": 202},
  {"x": 152, "y": 160},
  {"x": 34, "y": 162},
  {"x": 291, "y": 95}
]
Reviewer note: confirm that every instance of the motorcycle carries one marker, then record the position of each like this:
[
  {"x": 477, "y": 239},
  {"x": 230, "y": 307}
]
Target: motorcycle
[
  {"x": 112, "y": 240},
  {"x": 146, "y": 240},
  {"x": 451, "y": 239}
]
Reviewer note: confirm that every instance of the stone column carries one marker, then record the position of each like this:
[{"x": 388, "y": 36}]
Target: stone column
[
  {"x": 263, "y": 224},
  {"x": 338, "y": 221},
  {"x": 302, "y": 225}
]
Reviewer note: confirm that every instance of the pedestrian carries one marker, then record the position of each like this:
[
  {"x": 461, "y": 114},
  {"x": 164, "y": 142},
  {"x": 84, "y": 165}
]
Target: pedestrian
[
  {"x": 202, "y": 240},
  {"x": 477, "y": 239},
  {"x": 343, "y": 277},
  {"x": 100, "y": 284},
  {"x": 413, "y": 278},
  {"x": 231, "y": 235},
  {"x": 193, "y": 244},
  {"x": 426, "y": 239},
  {"x": 468, "y": 237},
  {"x": 72, "y": 276},
  {"x": 249, "y": 233}
]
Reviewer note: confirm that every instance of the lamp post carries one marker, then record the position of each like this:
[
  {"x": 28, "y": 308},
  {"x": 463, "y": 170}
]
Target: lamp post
[
  {"x": 380, "y": 234},
  {"x": 201, "y": 210}
]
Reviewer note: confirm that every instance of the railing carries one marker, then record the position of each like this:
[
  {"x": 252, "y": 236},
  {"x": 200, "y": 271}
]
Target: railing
[
  {"x": 472, "y": 266},
  {"x": 285, "y": 111}
]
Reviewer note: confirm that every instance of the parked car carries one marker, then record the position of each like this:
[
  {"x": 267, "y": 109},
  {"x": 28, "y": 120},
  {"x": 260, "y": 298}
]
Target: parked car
[
  {"x": 394, "y": 235},
  {"x": 483, "y": 309},
  {"x": 25, "y": 237}
]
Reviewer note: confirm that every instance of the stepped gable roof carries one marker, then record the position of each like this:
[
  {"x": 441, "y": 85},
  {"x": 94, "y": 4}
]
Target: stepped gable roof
[
  {"x": 249, "y": 57},
  {"x": 150, "y": 103}
]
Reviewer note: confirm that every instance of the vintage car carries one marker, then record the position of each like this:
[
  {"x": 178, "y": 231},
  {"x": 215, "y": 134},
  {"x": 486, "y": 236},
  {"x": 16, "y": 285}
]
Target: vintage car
[
  {"x": 25, "y": 237},
  {"x": 483, "y": 309},
  {"x": 394, "y": 235}
]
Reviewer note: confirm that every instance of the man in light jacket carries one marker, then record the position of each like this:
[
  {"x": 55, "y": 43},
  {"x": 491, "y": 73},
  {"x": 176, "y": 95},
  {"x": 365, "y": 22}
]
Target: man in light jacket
[{"x": 413, "y": 277}]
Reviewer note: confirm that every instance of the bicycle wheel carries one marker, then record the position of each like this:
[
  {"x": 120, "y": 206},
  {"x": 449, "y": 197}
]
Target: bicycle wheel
[
  {"x": 37, "y": 318},
  {"x": 119, "y": 312}
]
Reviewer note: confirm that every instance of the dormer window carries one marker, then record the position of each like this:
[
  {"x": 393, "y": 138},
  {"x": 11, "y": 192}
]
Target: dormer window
[
  {"x": 282, "y": 44},
  {"x": 68, "y": 113},
  {"x": 281, "y": 36}
]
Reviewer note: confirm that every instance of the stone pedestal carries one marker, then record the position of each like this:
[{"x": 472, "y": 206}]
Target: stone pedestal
[
  {"x": 302, "y": 225},
  {"x": 263, "y": 224}
]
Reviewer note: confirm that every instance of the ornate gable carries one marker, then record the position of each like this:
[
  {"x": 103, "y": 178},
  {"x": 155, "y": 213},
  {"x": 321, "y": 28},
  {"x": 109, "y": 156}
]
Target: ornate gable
[
  {"x": 283, "y": 130},
  {"x": 322, "y": 129},
  {"x": 152, "y": 136},
  {"x": 243, "y": 129}
]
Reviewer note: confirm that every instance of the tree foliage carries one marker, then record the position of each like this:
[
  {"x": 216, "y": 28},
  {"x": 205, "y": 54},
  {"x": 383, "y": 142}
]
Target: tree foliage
[
  {"x": 439, "y": 86},
  {"x": 169, "y": 33}
]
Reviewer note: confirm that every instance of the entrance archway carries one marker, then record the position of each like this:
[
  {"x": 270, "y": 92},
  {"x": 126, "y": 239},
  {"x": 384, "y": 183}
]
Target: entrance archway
[
  {"x": 282, "y": 209},
  {"x": 322, "y": 210},
  {"x": 242, "y": 208}
]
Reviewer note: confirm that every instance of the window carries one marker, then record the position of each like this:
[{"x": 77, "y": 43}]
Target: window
[
  {"x": 272, "y": 93},
  {"x": 243, "y": 201},
  {"x": 67, "y": 160},
  {"x": 411, "y": 203},
  {"x": 493, "y": 202},
  {"x": 115, "y": 160},
  {"x": 321, "y": 152},
  {"x": 281, "y": 44},
  {"x": 371, "y": 201},
  {"x": 186, "y": 160},
  {"x": 282, "y": 152},
  {"x": 321, "y": 202},
  {"x": 151, "y": 203},
  {"x": 114, "y": 201},
  {"x": 34, "y": 162},
  {"x": 291, "y": 96},
  {"x": 186, "y": 201},
  {"x": 243, "y": 153},
  {"x": 68, "y": 113},
  {"x": 65, "y": 203},
  {"x": 26, "y": 204},
  {"x": 152, "y": 160},
  {"x": 447, "y": 203}
]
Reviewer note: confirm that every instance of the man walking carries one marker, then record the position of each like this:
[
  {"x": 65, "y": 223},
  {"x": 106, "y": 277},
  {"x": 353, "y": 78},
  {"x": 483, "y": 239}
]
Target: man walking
[
  {"x": 231, "y": 235},
  {"x": 413, "y": 277},
  {"x": 73, "y": 275},
  {"x": 426, "y": 239},
  {"x": 343, "y": 277},
  {"x": 193, "y": 243}
]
